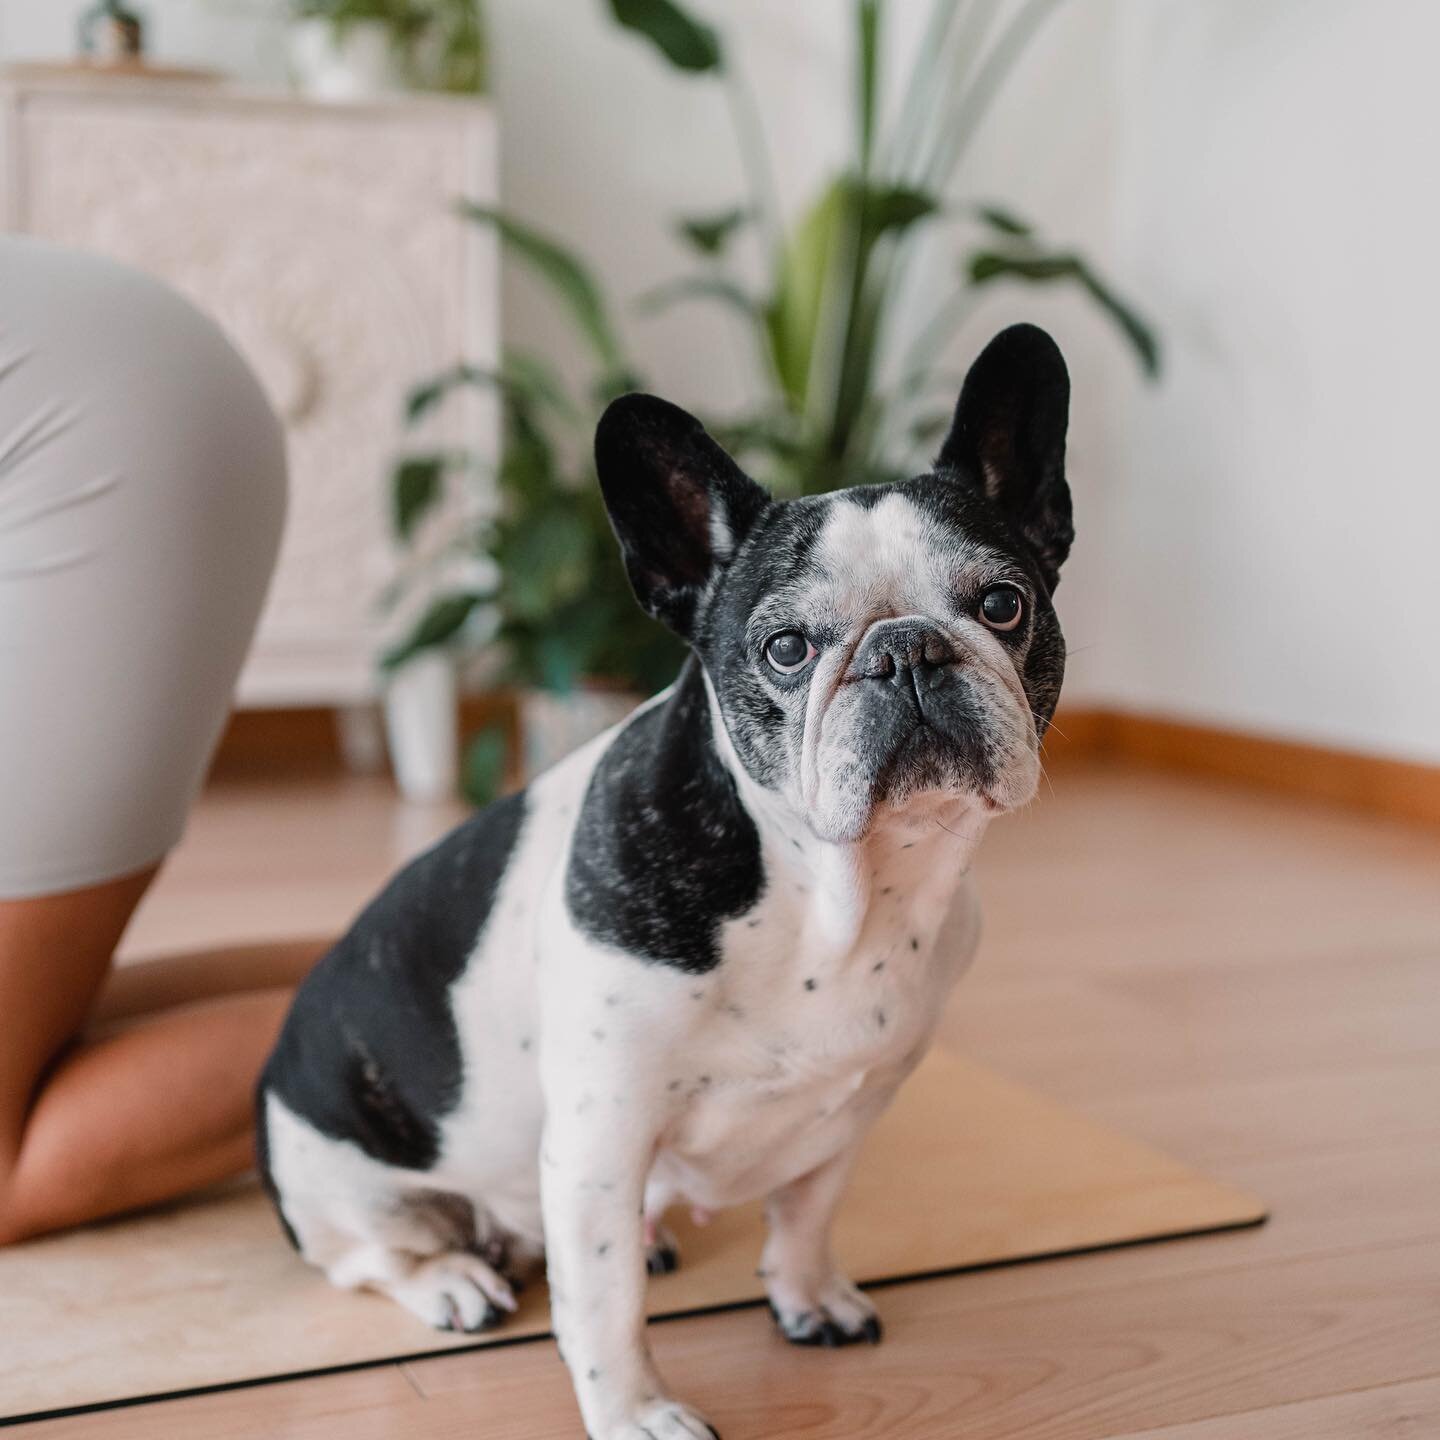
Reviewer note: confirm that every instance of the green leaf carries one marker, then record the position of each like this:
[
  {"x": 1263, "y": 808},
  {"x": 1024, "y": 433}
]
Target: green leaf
[
  {"x": 766, "y": 434},
  {"x": 867, "y": 57},
  {"x": 684, "y": 41},
  {"x": 709, "y": 234},
  {"x": 483, "y": 771},
  {"x": 519, "y": 373},
  {"x": 545, "y": 559},
  {"x": 928, "y": 428},
  {"x": 793, "y": 317},
  {"x": 441, "y": 622},
  {"x": 988, "y": 265},
  {"x": 697, "y": 287},
  {"x": 423, "y": 398},
  {"x": 567, "y": 277},
  {"x": 1005, "y": 221},
  {"x": 832, "y": 248},
  {"x": 538, "y": 380},
  {"x": 896, "y": 207},
  {"x": 416, "y": 485}
]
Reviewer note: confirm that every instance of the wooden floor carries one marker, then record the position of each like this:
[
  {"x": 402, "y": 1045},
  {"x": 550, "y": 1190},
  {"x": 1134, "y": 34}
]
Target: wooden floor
[{"x": 1250, "y": 982}]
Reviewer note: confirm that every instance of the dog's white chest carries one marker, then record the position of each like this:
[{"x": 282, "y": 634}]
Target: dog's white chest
[{"x": 801, "y": 1049}]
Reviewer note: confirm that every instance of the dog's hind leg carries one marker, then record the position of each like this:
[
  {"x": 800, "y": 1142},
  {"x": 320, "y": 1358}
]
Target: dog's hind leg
[
  {"x": 450, "y": 1290},
  {"x": 406, "y": 1246},
  {"x": 370, "y": 1226}
]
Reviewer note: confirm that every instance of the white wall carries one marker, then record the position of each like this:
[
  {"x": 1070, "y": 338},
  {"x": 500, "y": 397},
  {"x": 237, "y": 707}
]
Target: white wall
[
  {"x": 1276, "y": 536},
  {"x": 238, "y": 36},
  {"x": 1255, "y": 534},
  {"x": 605, "y": 145}
]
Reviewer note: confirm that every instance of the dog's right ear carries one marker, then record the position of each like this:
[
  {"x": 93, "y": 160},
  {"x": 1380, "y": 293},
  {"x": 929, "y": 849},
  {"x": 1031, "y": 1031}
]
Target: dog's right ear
[{"x": 679, "y": 504}]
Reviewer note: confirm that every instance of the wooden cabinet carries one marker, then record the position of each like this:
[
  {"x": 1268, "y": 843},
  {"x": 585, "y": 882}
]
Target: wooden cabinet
[{"x": 323, "y": 238}]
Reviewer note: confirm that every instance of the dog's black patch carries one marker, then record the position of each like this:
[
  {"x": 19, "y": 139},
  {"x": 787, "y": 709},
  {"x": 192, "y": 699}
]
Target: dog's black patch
[
  {"x": 369, "y": 1051},
  {"x": 664, "y": 851}
]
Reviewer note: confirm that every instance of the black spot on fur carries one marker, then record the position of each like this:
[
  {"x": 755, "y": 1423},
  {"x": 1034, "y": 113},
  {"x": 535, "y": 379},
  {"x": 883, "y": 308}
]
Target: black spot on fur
[
  {"x": 369, "y": 1051},
  {"x": 811, "y": 984},
  {"x": 664, "y": 851}
]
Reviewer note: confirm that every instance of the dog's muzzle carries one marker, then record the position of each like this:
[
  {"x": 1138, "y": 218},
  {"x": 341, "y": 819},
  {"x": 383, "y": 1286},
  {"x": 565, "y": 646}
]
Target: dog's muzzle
[{"x": 924, "y": 721}]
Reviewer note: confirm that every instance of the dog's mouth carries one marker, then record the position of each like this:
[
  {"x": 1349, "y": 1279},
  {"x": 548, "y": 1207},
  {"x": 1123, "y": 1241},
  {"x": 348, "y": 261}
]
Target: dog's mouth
[
  {"x": 902, "y": 752},
  {"x": 929, "y": 759}
]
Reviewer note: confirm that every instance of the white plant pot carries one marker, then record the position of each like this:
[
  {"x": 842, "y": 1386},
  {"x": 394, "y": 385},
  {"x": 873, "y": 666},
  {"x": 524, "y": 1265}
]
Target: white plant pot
[
  {"x": 551, "y": 726},
  {"x": 423, "y": 727},
  {"x": 356, "y": 65}
]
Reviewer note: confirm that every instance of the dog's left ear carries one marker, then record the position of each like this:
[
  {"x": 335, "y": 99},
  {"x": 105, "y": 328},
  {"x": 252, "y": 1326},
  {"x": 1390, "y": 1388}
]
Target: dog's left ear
[
  {"x": 679, "y": 504},
  {"x": 1008, "y": 438}
]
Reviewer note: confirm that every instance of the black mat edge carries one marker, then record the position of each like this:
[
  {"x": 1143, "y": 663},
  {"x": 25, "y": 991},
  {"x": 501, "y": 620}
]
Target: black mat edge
[{"x": 129, "y": 1402}]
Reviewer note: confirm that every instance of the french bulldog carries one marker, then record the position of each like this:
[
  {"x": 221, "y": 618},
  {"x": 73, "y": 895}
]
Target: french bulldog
[{"x": 691, "y": 963}]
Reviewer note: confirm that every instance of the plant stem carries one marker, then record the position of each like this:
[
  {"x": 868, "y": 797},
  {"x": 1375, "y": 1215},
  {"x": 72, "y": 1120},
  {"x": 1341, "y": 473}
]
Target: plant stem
[
  {"x": 958, "y": 130},
  {"x": 954, "y": 67},
  {"x": 920, "y": 355},
  {"x": 981, "y": 93},
  {"x": 926, "y": 347},
  {"x": 754, "y": 155},
  {"x": 920, "y": 92},
  {"x": 867, "y": 62}
]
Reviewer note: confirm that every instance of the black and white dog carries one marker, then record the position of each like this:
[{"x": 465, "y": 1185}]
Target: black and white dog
[{"x": 692, "y": 963}]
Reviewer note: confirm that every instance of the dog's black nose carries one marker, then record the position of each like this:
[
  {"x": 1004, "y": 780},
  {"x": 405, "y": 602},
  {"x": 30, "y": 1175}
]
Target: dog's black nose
[{"x": 901, "y": 650}]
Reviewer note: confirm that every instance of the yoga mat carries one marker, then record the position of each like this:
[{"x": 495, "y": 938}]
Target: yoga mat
[{"x": 966, "y": 1169}]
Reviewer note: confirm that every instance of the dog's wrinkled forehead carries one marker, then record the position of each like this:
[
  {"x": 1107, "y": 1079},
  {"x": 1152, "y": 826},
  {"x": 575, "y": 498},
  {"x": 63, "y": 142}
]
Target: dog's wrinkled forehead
[
  {"x": 892, "y": 556},
  {"x": 837, "y": 560}
]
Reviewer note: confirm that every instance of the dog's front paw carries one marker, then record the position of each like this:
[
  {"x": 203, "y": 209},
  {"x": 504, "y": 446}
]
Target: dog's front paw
[
  {"x": 660, "y": 1419},
  {"x": 833, "y": 1313}
]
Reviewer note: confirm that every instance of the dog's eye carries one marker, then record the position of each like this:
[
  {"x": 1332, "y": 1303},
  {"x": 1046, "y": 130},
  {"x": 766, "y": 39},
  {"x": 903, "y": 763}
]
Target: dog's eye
[
  {"x": 1001, "y": 607},
  {"x": 789, "y": 651}
]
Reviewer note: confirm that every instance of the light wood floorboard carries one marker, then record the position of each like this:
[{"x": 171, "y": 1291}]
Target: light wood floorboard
[
  {"x": 1388, "y": 1412},
  {"x": 1249, "y": 981}
]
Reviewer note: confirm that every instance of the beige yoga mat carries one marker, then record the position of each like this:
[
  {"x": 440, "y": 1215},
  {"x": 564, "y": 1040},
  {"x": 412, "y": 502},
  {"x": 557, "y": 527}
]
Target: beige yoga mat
[{"x": 966, "y": 1169}]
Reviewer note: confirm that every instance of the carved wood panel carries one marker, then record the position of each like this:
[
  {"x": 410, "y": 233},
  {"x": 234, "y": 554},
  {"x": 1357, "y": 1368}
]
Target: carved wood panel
[{"x": 323, "y": 239}]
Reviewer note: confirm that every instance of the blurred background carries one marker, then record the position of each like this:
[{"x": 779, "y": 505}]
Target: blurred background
[{"x": 802, "y": 230}]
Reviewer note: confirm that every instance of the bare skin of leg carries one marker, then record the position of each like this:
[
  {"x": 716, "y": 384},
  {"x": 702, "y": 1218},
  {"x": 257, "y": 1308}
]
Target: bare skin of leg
[
  {"x": 154, "y": 1102},
  {"x": 145, "y": 986}
]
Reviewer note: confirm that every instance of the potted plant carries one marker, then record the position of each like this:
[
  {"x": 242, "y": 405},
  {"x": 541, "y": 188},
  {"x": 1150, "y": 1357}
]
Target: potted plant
[
  {"x": 848, "y": 400},
  {"x": 110, "y": 33},
  {"x": 351, "y": 49},
  {"x": 554, "y": 603}
]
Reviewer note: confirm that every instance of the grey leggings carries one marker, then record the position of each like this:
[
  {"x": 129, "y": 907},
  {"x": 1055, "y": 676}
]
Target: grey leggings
[{"x": 142, "y": 493}]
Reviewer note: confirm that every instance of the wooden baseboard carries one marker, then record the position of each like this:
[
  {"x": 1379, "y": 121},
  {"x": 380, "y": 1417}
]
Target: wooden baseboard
[
  {"x": 286, "y": 742},
  {"x": 305, "y": 740},
  {"x": 1402, "y": 789}
]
